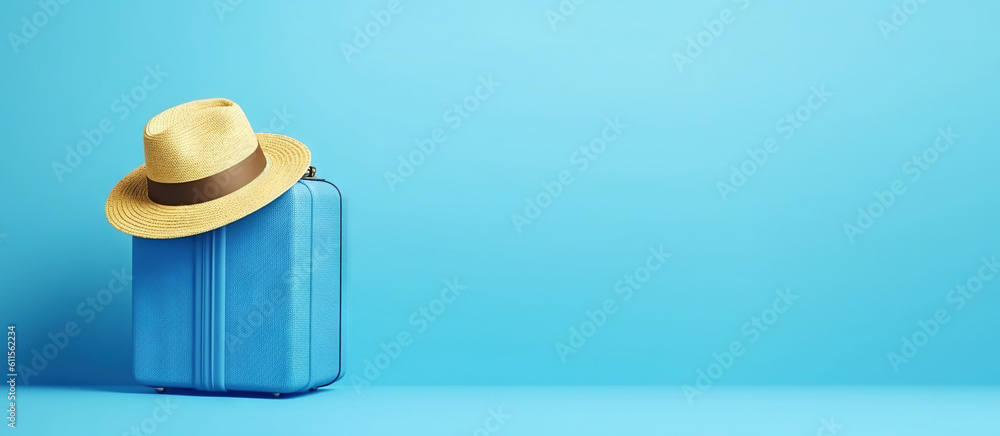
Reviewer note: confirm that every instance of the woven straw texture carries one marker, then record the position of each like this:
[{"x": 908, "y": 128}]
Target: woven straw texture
[{"x": 193, "y": 141}]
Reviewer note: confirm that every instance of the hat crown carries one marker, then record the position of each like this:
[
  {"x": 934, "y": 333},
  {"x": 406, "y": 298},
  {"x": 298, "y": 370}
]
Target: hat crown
[{"x": 197, "y": 140}]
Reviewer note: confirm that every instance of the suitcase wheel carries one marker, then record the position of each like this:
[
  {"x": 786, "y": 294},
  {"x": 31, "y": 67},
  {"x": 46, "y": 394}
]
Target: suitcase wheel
[{"x": 160, "y": 390}]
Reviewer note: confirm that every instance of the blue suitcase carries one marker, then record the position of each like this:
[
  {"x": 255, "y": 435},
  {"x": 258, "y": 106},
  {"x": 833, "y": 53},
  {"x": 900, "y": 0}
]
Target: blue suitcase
[{"x": 252, "y": 306}]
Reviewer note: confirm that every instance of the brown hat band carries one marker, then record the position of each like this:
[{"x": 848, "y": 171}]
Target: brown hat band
[{"x": 211, "y": 187}]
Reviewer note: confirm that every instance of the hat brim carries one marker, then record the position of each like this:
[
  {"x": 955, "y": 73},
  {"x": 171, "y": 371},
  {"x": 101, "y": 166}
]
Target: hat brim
[{"x": 130, "y": 210}]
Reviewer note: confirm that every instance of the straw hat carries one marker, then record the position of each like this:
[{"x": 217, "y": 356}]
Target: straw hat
[{"x": 205, "y": 168}]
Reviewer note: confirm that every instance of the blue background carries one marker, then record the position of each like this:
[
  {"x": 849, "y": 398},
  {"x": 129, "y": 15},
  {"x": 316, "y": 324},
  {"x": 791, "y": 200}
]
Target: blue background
[{"x": 656, "y": 185}]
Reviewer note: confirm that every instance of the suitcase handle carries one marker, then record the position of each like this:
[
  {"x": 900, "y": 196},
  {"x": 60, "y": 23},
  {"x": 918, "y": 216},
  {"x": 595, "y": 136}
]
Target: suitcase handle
[{"x": 310, "y": 173}]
